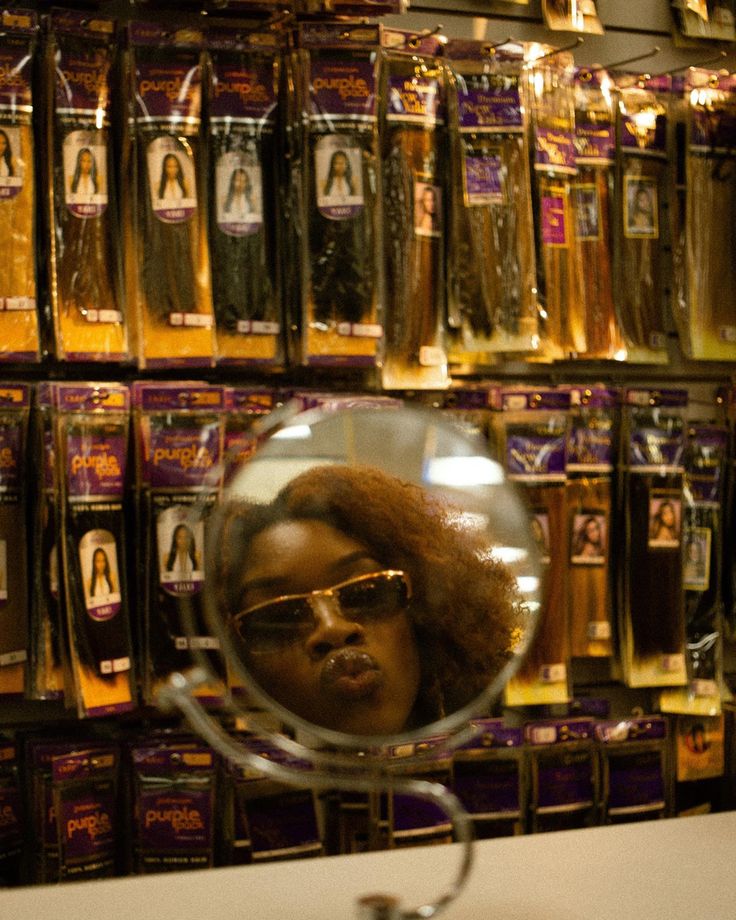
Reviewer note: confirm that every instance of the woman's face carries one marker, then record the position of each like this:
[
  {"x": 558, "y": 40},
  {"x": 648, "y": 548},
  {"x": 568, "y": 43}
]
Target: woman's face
[
  {"x": 593, "y": 531},
  {"x": 642, "y": 201},
  {"x": 667, "y": 515},
  {"x": 240, "y": 180},
  {"x": 171, "y": 167},
  {"x": 99, "y": 562},
  {"x": 353, "y": 677},
  {"x": 85, "y": 162},
  {"x": 181, "y": 538},
  {"x": 428, "y": 202},
  {"x": 340, "y": 164}
]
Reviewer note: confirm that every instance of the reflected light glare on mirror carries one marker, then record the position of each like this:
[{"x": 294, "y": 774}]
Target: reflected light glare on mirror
[{"x": 371, "y": 575}]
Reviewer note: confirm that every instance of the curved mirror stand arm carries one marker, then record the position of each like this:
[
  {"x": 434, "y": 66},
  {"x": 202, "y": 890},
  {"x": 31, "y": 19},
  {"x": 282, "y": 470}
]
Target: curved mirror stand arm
[{"x": 178, "y": 694}]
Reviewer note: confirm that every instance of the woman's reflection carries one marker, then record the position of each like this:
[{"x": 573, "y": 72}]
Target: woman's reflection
[{"x": 359, "y": 605}]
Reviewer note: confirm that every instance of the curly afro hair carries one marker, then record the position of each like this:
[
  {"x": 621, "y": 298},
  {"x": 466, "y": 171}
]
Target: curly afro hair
[{"x": 465, "y": 608}]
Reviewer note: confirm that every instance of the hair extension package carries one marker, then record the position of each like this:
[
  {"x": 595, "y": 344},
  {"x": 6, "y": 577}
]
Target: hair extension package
[
  {"x": 336, "y": 181},
  {"x": 563, "y": 767},
  {"x": 590, "y": 462},
  {"x": 85, "y": 270},
  {"x": 15, "y": 402},
  {"x": 531, "y": 429},
  {"x": 592, "y": 199},
  {"x": 412, "y": 152},
  {"x": 652, "y": 607},
  {"x": 243, "y": 105},
  {"x": 14, "y": 826},
  {"x": 705, "y": 248},
  {"x": 165, "y": 221},
  {"x": 491, "y": 270},
  {"x": 179, "y": 433},
  {"x": 635, "y": 777},
  {"x": 173, "y": 807},
  {"x": 19, "y": 329},
  {"x": 641, "y": 176},
  {"x": 706, "y": 452},
  {"x": 489, "y": 778},
  {"x": 49, "y": 672},
  {"x": 92, "y": 422},
  {"x": 550, "y": 96},
  {"x": 268, "y": 819},
  {"x": 88, "y": 820}
]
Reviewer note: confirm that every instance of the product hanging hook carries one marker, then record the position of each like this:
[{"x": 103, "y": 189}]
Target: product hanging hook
[
  {"x": 426, "y": 33},
  {"x": 578, "y": 41},
  {"x": 491, "y": 49},
  {"x": 616, "y": 64},
  {"x": 705, "y": 63}
]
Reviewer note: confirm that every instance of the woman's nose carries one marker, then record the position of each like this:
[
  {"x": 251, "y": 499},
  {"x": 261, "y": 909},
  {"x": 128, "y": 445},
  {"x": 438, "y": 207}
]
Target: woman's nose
[{"x": 331, "y": 629}]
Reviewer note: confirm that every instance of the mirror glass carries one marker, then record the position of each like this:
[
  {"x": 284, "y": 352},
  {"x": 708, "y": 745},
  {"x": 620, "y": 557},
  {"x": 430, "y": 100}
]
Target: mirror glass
[{"x": 371, "y": 574}]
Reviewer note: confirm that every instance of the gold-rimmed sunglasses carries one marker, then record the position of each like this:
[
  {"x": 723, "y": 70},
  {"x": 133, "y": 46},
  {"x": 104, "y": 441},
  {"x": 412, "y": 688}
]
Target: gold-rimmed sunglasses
[{"x": 274, "y": 625}]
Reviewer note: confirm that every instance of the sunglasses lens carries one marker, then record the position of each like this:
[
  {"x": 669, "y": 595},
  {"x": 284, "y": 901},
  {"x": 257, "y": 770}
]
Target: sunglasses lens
[
  {"x": 373, "y": 598},
  {"x": 277, "y": 625}
]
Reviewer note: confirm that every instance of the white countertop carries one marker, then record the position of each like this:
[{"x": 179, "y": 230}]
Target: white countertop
[{"x": 676, "y": 869}]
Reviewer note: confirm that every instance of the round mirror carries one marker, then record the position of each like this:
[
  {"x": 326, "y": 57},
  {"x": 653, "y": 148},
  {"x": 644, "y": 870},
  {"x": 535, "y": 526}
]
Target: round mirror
[{"x": 371, "y": 575}]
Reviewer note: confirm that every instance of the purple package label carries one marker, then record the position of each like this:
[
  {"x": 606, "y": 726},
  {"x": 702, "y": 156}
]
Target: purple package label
[
  {"x": 655, "y": 447},
  {"x": 170, "y": 89},
  {"x": 554, "y": 226},
  {"x": 96, "y": 464},
  {"x": 342, "y": 88},
  {"x": 635, "y": 780},
  {"x": 11, "y": 811},
  {"x": 82, "y": 398},
  {"x": 566, "y": 779},
  {"x": 644, "y": 133},
  {"x": 488, "y": 787},
  {"x": 82, "y": 83},
  {"x": 183, "y": 456},
  {"x": 631, "y": 730},
  {"x": 11, "y": 441},
  {"x": 554, "y": 150},
  {"x": 535, "y": 455},
  {"x": 282, "y": 823},
  {"x": 590, "y": 447},
  {"x": 595, "y": 144},
  {"x": 484, "y": 179},
  {"x": 174, "y": 820},
  {"x": 496, "y": 106},
  {"x": 87, "y": 823},
  {"x": 16, "y": 95},
  {"x": 414, "y": 99},
  {"x": 243, "y": 90},
  {"x": 492, "y": 733}
]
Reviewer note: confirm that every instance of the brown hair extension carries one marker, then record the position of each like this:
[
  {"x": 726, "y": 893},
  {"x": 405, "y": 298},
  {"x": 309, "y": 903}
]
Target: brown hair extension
[
  {"x": 550, "y": 645},
  {"x": 594, "y": 255},
  {"x": 588, "y": 588},
  {"x": 414, "y": 261}
]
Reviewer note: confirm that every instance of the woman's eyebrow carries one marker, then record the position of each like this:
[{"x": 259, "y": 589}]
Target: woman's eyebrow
[{"x": 282, "y": 580}]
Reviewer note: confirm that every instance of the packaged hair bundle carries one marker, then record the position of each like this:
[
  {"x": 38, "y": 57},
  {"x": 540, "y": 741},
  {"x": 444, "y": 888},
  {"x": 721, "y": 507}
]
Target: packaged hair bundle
[
  {"x": 14, "y": 826},
  {"x": 412, "y": 126},
  {"x": 531, "y": 429},
  {"x": 19, "y": 332},
  {"x": 91, "y": 427},
  {"x": 179, "y": 439},
  {"x": 84, "y": 790},
  {"x": 85, "y": 270},
  {"x": 173, "y": 807},
  {"x": 595, "y": 143},
  {"x": 549, "y": 83},
  {"x": 590, "y": 463},
  {"x": 641, "y": 176},
  {"x": 335, "y": 185},
  {"x": 491, "y": 270},
  {"x": 271, "y": 819},
  {"x": 652, "y": 608},
  {"x": 15, "y": 402},
  {"x": 165, "y": 217},
  {"x": 635, "y": 784},
  {"x": 706, "y": 244},
  {"x": 705, "y": 455},
  {"x": 564, "y": 781},
  {"x": 243, "y": 104},
  {"x": 489, "y": 778},
  {"x": 49, "y": 670}
]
